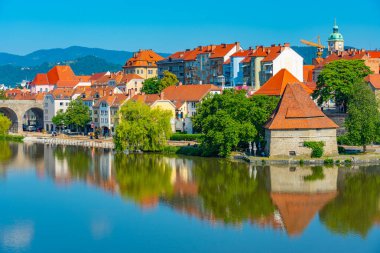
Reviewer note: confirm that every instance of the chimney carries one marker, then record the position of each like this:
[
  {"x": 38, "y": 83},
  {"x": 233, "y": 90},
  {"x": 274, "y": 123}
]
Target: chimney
[
  {"x": 199, "y": 48},
  {"x": 162, "y": 95},
  {"x": 273, "y": 45},
  {"x": 180, "y": 84},
  {"x": 237, "y": 44},
  {"x": 286, "y": 44},
  {"x": 224, "y": 45}
]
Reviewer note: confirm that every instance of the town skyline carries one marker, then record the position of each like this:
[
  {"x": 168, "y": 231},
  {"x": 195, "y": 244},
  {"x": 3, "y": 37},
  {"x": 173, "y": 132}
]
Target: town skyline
[{"x": 31, "y": 26}]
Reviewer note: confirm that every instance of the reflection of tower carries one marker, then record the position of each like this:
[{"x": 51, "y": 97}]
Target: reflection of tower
[
  {"x": 298, "y": 200},
  {"x": 335, "y": 40}
]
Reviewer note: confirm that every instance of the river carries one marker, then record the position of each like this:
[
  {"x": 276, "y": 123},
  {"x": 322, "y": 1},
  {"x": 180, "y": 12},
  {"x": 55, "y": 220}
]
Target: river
[{"x": 75, "y": 199}]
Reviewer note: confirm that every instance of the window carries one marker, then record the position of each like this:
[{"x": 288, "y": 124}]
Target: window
[
  {"x": 150, "y": 72},
  {"x": 193, "y": 104},
  {"x": 67, "y": 103},
  {"x": 61, "y": 103},
  {"x": 142, "y": 71},
  {"x": 95, "y": 111},
  {"x": 46, "y": 104},
  {"x": 96, "y": 120}
]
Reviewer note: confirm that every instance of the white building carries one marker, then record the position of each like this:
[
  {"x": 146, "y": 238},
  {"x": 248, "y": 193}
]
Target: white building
[{"x": 55, "y": 101}]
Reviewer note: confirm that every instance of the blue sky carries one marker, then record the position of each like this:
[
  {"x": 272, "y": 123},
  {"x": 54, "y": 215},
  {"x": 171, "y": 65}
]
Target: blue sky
[{"x": 168, "y": 26}]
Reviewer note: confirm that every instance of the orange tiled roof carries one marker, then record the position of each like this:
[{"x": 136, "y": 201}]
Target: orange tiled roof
[
  {"x": 222, "y": 50},
  {"x": 374, "y": 54},
  {"x": 374, "y": 80},
  {"x": 143, "y": 58},
  {"x": 182, "y": 93},
  {"x": 146, "y": 98},
  {"x": 61, "y": 93},
  {"x": 113, "y": 100},
  {"x": 61, "y": 73},
  {"x": 297, "y": 110},
  {"x": 276, "y": 85},
  {"x": 308, "y": 73},
  {"x": 40, "y": 79}
]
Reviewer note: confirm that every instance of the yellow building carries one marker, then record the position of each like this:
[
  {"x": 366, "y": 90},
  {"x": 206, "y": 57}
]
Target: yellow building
[{"x": 143, "y": 63}]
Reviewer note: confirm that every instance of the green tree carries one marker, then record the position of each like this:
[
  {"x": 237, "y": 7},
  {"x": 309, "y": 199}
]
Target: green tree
[
  {"x": 337, "y": 80},
  {"x": 262, "y": 108},
  {"x": 77, "y": 114},
  {"x": 151, "y": 85},
  {"x": 5, "y": 124},
  {"x": 142, "y": 128},
  {"x": 169, "y": 79},
  {"x": 3, "y": 95},
  {"x": 231, "y": 119},
  {"x": 59, "y": 119},
  {"x": 363, "y": 118},
  {"x": 155, "y": 85}
]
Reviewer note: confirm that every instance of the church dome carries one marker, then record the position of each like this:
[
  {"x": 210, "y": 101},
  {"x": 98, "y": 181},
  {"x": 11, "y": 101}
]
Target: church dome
[{"x": 335, "y": 36}]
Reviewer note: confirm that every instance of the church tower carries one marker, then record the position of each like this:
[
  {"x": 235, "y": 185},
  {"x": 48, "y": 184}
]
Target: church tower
[{"x": 335, "y": 41}]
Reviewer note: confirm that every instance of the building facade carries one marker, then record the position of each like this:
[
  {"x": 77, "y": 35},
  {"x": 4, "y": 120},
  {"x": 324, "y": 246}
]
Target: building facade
[{"x": 143, "y": 63}]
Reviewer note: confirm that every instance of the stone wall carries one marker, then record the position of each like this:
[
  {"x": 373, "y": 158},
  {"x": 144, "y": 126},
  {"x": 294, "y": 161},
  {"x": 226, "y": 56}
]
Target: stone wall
[{"x": 281, "y": 142}]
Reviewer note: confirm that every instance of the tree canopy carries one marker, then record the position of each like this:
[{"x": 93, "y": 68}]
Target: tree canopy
[
  {"x": 363, "y": 119},
  {"x": 59, "y": 119},
  {"x": 77, "y": 113},
  {"x": 337, "y": 79},
  {"x": 142, "y": 128},
  {"x": 5, "y": 124},
  {"x": 155, "y": 85},
  {"x": 231, "y": 118}
]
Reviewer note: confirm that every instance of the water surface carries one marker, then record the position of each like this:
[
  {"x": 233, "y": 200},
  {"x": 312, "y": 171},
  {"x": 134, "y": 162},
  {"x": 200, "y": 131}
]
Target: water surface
[{"x": 68, "y": 199}]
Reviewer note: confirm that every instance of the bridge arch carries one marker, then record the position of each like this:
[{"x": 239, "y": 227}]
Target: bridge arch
[
  {"x": 19, "y": 110},
  {"x": 10, "y": 114}
]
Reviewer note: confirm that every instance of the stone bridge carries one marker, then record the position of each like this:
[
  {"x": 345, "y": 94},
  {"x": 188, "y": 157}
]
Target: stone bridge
[{"x": 16, "y": 110}]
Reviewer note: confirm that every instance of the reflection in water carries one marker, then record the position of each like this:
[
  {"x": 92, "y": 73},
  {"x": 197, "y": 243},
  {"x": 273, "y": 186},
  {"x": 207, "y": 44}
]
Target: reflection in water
[
  {"x": 298, "y": 199},
  {"x": 143, "y": 178},
  {"x": 216, "y": 190},
  {"x": 358, "y": 205}
]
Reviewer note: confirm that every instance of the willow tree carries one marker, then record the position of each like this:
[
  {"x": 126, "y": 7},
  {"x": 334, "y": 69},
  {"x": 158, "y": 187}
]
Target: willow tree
[
  {"x": 142, "y": 128},
  {"x": 5, "y": 124}
]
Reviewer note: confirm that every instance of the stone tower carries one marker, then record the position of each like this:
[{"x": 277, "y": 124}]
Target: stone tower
[{"x": 335, "y": 41}]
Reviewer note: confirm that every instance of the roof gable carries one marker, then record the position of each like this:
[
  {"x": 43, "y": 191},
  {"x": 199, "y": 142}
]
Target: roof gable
[
  {"x": 184, "y": 93},
  {"x": 276, "y": 85},
  {"x": 297, "y": 110}
]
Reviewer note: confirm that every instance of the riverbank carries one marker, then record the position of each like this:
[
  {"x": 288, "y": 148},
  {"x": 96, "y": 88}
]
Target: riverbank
[
  {"x": 71, "y": 141},
  {"x": 11, "y": 137},
  {"x": 357, "y": 159}
]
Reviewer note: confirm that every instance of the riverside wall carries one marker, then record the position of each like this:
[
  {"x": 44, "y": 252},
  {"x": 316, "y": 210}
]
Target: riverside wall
[{"x": 71, "y": 142}]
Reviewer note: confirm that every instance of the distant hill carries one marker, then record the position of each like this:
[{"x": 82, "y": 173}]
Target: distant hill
[
  {"x": 65, "y": 54},
  {"x": 87, "y": 65}
]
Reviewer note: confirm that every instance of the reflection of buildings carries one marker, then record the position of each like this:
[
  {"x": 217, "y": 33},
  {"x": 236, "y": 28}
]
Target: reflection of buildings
[
  {"x": 298, "y": 200},
  {"x": 65, "y": 164}
]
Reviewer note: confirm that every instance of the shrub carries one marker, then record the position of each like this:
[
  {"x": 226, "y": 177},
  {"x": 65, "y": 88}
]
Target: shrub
[
  {"x": 337, "y": 162},
  {"x": 302, "y": 162},
  {"x": 15, "y": 138},
  {"x": 190, "y": 150},
  {"x": 328, "y": 161},
  {"x": 316, "y": 148},
  {"x": 185, "y": 137}
]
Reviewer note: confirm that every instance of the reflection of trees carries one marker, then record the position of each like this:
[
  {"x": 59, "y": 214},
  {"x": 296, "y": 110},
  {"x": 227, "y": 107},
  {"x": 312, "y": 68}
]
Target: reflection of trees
[
  {"x": 143, "y": 178},
  {"x": 6, "y": 152},
  {"x": 78, "y": 159},
  {"x": 356, "y": 208},
  {"x": 230, "y": 193}
]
